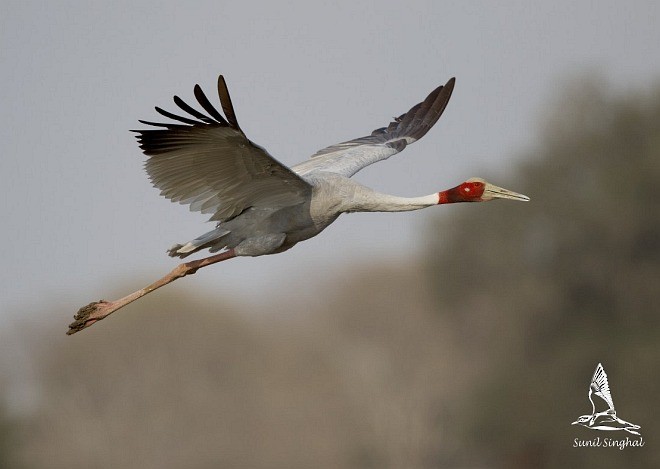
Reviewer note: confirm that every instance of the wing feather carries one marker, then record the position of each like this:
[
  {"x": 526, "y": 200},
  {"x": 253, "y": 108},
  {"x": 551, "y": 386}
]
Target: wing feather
[
  {"x": 225, "y": 102},
  {"x": 347, "y": 158},
  {"x": 192, "y": 111},
  {"x": 206, "y": 104},
  {"x": 169, "y": 115},
  {"x": 601, "y": 386},
  {"x": 207, "y": 162}
]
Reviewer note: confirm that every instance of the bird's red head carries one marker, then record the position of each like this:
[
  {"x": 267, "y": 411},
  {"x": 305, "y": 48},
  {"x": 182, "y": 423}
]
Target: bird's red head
[{"x": 477, "y": 190}]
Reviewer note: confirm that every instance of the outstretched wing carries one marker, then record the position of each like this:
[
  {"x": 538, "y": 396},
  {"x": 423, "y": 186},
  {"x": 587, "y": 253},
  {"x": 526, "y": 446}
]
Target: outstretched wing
[
  {"x": 601, "y": 387},
  {"x": 207, "y": 162},
  {"x": 347, "y": 158}
]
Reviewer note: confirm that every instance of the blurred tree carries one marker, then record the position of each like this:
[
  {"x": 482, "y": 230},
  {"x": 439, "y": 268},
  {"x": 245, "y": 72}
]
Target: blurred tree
[
  {"x": 539, "y": 294},
  {"x": 379, "y": 330},
  {"x": 7, "y": 437},
  {"x": 184, "y": 380}
]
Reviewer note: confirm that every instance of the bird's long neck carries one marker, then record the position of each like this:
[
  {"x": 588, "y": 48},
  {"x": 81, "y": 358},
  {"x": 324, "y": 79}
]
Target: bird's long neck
[{"x": 371, "y": 201}]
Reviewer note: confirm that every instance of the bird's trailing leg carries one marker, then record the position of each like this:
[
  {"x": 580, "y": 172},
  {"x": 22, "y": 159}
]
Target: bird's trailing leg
[{"x": 94, "y": 312}]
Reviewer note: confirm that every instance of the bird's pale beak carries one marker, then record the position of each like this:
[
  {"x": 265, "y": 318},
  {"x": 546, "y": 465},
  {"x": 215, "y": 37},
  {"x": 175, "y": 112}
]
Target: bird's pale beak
[{"x": 493, "y": 192}]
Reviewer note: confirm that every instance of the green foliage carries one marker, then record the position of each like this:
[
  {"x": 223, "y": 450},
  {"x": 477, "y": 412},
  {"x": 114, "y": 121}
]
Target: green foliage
[{"x": 542, "y": 292}]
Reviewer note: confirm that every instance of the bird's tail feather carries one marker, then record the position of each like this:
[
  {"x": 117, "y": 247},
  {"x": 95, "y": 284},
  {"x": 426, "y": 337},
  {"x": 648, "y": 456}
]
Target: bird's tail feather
[{"x": 212, "y": 240}]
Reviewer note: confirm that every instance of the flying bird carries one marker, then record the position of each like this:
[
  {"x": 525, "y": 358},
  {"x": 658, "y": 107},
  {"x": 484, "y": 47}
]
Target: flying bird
[
  {"x": 607, "y": 419},
  {"x": 264, "y": 207},
  {"x": 204, "y": 160}
]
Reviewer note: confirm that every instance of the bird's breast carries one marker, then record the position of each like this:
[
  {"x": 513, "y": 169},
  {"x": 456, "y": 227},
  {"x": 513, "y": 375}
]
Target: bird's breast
[{"x": 331, "y": 196}]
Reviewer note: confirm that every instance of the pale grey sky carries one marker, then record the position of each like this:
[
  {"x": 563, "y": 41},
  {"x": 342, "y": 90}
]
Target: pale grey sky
[{"x": 79, "y": 214}]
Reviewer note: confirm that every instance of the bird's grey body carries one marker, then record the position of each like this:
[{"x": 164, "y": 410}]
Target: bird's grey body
[
  {"x": 259, "y": 231},
  {"x": 262, "y": 206}
]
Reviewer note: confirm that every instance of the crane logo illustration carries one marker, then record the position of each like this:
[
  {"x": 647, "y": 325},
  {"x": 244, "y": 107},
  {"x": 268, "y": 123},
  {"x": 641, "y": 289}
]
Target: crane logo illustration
[{"x": 607, "y": 419}]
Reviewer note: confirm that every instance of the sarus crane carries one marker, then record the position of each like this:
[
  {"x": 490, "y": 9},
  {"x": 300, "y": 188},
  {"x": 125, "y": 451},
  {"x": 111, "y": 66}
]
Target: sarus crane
[{"x": 261, "y": 206}]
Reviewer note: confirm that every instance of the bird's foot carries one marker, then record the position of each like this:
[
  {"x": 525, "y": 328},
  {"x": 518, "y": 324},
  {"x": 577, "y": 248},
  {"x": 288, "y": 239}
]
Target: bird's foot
[
  {"x": 89, "y": 314},
  {"x": 172, "y": 252}
]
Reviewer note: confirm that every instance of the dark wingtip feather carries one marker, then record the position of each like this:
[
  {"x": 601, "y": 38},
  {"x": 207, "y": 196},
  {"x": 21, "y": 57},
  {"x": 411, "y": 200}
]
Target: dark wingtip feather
[
  {"x": 175, "y": 117},
  {"x": 198, "y": 118},
  {"x": 413, "y": 124},
  {"x": 159, "y": 124},
  {"x": 168, "y": 136},
  {"x": 421, "y": 117},
  {"x": 192, "y": 111},
  {"x": 206, "y": 104},
  {"x": 225, "y": 101}
]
